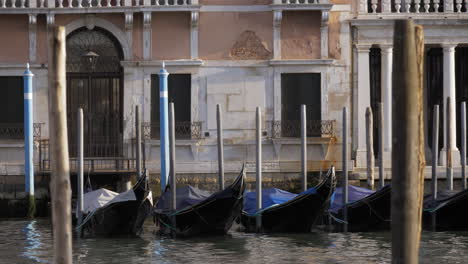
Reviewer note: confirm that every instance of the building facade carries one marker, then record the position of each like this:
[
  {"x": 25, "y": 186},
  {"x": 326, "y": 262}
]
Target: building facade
[
  {"x": 445, "y": 27},
  {"x": 241, "y": 54}
]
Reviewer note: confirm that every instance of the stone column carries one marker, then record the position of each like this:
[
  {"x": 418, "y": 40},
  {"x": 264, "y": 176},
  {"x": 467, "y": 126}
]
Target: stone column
[
  {"x": 449, "y": 91},
  {"x": 362, "y": 102},
  {"x": 386, "y": 52}
]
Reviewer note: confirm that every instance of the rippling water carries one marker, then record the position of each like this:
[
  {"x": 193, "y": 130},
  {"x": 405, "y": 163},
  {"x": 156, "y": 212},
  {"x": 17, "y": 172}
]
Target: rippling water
[{"x": 31, "y": 242}]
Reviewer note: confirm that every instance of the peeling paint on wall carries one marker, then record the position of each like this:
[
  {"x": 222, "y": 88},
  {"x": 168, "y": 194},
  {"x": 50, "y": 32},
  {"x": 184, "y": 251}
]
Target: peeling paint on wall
[{"x": 249, "y": 46}]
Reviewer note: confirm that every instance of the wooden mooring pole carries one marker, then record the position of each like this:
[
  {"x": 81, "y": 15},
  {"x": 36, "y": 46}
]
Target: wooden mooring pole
[
  {"x": 449, "y": 128},
  {"x": 463, "y": 144},
  {"x": 219, "y": 119},
  {"x": 258, "y": 141},
  {"x": 172, "y": 159},
  {"x": 435, "y": 150},
  {"x": 138, "y": 140},
  {"x": 345, "y": 168},
  {"x": 408, "y": 159},
  {"x": 381, "y": 147},
  {"x": 60, "y": 170},
  {"x": 370, "y": 148},
  {"x": 79, "y": 154},
  {"x": 304, "y": 147},
  {"x": 435, "y": 155}
]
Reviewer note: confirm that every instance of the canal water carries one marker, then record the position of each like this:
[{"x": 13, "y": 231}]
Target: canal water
[{"x": 30, "y": 241}]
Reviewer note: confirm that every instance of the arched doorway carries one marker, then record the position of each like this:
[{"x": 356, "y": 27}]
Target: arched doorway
[{"x": 94, "y": 83}]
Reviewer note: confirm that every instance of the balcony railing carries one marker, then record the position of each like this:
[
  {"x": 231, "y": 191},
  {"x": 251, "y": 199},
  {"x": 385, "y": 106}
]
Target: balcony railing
[
  {"x": 16, "y": 130},
  {"x": 420, "y": 7},
  {"x": 183, "y": 130},
  {"x": 292, "y": 128},
  {"x": 93, "y": 3}
]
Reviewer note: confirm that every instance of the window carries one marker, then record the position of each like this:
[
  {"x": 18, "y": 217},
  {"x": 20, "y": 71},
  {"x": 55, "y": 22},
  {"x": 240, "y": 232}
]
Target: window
[
  {"x": 298, "y": 89},
  {"x": 179, "y": 86},
  {"x": 11, "y": 107}
]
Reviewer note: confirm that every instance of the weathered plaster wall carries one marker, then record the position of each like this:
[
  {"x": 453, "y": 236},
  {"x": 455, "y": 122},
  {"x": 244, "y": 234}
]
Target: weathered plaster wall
[
  {"x": 235, "y": 2},
  {"x": 246, "y": 32},
  {"x": 15, "y": 38},
  {"x": 300, "y": 35},
  {"x": 334, "y": 34},
  {"x": 171, "y": 35}
]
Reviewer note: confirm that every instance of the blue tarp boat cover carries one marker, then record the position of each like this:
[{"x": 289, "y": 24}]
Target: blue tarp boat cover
[
  {"x": 270, "y": 197},
  {"x": 186, "y": 196},
  {"x": 354, "y": 193}
]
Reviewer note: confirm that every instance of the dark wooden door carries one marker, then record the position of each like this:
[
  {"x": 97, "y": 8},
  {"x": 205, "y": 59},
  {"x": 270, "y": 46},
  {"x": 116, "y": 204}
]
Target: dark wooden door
[{"x": 100, "y": 96}]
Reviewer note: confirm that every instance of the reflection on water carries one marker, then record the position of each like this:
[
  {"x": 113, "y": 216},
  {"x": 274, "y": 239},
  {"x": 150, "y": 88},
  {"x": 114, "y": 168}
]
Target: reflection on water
[{"x": 31, "y": 242}]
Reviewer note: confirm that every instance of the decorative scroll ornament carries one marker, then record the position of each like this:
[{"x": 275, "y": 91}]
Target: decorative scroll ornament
[
  {"x": 194, "y": 19},
  {"x": 277, "y": 18}
]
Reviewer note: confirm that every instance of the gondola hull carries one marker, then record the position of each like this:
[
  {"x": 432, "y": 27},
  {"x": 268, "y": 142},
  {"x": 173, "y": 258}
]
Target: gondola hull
[
  {"x": 449, "y": 214},
  {"x": 213, "y": 216},
  {"x": 297, "y": 215},
  {"x": 371, "y": 213},
  {"x": 122, "y": 218}
]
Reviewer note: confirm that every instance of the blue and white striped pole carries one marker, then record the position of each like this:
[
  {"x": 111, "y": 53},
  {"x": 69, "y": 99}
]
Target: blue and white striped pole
[
  {"x": 28, "y": 141},
  {"x": 164, "y": 126}
]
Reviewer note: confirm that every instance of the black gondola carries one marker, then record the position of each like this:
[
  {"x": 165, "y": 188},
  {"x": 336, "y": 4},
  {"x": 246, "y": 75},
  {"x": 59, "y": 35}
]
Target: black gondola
[
  {"x": 121, "y": 218},
  {"x": 371, "y": 213},
  {"x": 299, "y": 214},
  {"x": 198, "y": 212},
  {"x": 449, "y": 212}
]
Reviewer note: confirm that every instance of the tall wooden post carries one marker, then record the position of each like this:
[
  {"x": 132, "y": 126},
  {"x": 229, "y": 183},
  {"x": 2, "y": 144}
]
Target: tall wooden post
[
  {"x": 435, "y": 150},
  {"x": 408, "y": 159},
  {"x": 450, "y": 127},
  {"x": 79, "y": 155},
  {"x": 172, "y": 159},
  {"x": 370, "y": 148},
  {"x": 345, "y": 168},
  {"x": 138, "y": 140},
  {"x": 258, "y": 140},
  {"x": 381, "y": 147},
  {"x": 304, "y": 147},
  {"x": 60, "y": 180},
  {"x": 435, "y": 153},
  {"x": 463, "y": 144},
  {"x": 219, "y": 119}
]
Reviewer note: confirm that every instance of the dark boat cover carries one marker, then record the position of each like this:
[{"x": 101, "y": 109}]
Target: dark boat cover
[
  {"x": 354, "y": 194},
  {"x": 186, "y": 196},
  {"x": 270, "y": 197}
]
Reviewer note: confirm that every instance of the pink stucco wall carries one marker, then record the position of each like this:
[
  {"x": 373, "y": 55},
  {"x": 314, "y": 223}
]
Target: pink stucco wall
[
  {"x": 300, "y": 35},
  {"x": 15, "y": 38},
  {"x": 137, "y": 36},
  {"x": 171, "y": 35},
  {"x": 219, "y": 32}
]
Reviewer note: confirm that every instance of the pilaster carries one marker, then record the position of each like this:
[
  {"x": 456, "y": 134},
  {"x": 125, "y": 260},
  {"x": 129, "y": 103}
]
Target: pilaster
[
  {"x": 324, "y": 35},
  {"x": 194, "y": 35},
  {"x": 277, "y": 19},
  {"x": 147, "y": 35},
  {"x": 129, "y": 29}
]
